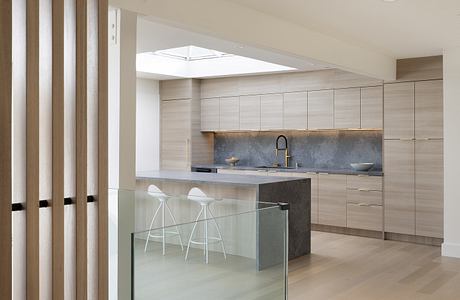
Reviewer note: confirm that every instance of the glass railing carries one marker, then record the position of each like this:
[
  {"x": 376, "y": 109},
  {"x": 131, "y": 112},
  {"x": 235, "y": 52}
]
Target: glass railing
[{"x": 202, "y": 248}]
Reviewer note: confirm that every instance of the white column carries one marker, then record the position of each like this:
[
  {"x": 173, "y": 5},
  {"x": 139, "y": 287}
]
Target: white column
[
  {"x": 148, "y": 124},
  {"x": 122, "y": 148},
  {"x": 451, "y": 245}
]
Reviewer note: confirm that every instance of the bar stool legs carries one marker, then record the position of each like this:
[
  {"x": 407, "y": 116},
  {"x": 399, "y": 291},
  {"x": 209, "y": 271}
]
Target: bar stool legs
[
  {"x": 204, "y": 211},
  {"x": 163, "y": 207}
]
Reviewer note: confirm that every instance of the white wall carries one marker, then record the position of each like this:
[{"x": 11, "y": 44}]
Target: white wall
[
  {"x": 451, "y": 245},
  {"x": 147, "y": 125}
]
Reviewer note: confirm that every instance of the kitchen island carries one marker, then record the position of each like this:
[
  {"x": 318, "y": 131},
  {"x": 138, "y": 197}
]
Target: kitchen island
[{"x": 294, "y": 191}]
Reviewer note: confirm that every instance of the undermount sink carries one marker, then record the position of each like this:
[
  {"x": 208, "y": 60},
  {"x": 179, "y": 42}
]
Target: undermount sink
[{"x": 273, "y": 167}]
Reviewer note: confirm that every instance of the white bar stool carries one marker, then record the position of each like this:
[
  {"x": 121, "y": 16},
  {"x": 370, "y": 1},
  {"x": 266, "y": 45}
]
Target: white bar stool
[
  {"x": 155, "y": 192},
  {"x": 199, "y": 196}
]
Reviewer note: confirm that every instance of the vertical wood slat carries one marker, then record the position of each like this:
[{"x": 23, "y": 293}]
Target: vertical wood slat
[
  {"x": 58, "y": 150},
  {"x": 103, "y": 255},
  {"x": 81, "y": 149},
  {"x": 32, "y": 149},
  {"x": 5, "y": 148}
]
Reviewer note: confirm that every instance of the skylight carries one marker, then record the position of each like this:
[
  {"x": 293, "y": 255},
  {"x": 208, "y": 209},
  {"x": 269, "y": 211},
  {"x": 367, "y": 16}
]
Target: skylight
[
  {"x": 196, "y": 62},
  {"x": 191, "y": 53}
]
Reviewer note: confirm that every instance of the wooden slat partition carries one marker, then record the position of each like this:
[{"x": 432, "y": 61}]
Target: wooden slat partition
[
  {"x": 5, "y": 148},
  {"x": 58, "y": 151},
  {"x": 81, "y": 147},
  {"x": 103, "y": 151},
  {"x": 32, "y": 150}
]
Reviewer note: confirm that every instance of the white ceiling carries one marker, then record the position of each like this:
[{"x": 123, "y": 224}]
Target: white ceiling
[
  {"x": 403, "y": 28},
  {"x": 153, "y": 36}
]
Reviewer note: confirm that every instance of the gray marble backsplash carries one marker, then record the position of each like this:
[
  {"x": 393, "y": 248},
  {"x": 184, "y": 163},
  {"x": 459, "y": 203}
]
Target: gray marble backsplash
[{"x": 311, "y": 149}]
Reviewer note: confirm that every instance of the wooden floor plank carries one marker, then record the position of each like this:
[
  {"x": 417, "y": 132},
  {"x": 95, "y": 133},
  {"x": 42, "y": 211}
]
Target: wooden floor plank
[{"x": 347, "y": 267}]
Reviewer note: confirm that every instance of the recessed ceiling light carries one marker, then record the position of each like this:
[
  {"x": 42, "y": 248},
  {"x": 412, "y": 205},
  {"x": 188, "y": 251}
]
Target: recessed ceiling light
[{"x": 389, "y": 0}]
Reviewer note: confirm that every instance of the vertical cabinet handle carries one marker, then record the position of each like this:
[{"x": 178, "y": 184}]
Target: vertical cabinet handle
[{"x": 187, "y": 152}]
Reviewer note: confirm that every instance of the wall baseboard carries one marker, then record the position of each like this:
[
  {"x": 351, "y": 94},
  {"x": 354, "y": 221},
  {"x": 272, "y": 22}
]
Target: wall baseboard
[{"x": 450, "y": 249}]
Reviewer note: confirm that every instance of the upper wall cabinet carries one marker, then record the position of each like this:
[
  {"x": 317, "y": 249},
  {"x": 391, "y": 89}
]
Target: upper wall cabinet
[
  {"x": 210, "y": 112},
  {"x": 372, "y": 107},
  {"x": 428, "y": 109},
  {"x": 295, "y": 110},
  {"x": 249, "y": 112},
  {"x": 176, "y": 89},
  {"x": 219, "y": 87},
  {"x": 347, "y": 108},
  {"x": 399, "y": 111},
  {"x": 321, "y": 109},
  {"x": 271, "y": 112},
  {"x": 229, "y": 113},
  {"x": 267, "y": 84}
]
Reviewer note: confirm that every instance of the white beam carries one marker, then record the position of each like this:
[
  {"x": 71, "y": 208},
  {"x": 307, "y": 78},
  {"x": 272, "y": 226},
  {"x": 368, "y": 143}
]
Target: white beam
[{"x": 242, "y": 25}]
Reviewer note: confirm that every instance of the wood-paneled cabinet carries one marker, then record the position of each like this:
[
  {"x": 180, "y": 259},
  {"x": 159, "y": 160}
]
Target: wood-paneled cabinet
[
  {"x": 399, "y": 110},
  {"x": 372, "y": 107},
  {"x": 295, "y": 110},
  {"x": 249, "y": 112},
  {"x": 347, "y": 108},
  {"x": 229, "y": 113},
  {"x": 429, "y": 109},
  {"x": 175, "y": 134},
  {"x": 364, "y": 202},
  {"x": 332, "y": 200},
  {"x": 429, "y": 191},
  {"x": 210, "y": 114},
  {"x": 321, "y": 109},
  {"x": 271, "y": 111},
  {"x": 399, "y": 161},
  {"x": 182, "y": 142}
]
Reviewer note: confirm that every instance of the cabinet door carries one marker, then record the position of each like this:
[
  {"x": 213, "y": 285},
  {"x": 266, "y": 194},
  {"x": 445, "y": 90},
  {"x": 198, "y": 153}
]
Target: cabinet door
[
  {"x": 314, "y": 197},
  {"x": 363, "y": 216},
  {"x": 271, "y": 111},
  {"x": 210, "y": 114},
  {"x": 429, "y": 188},
  {"x": 250, "y": 112},
  {"x": 428, "y": 109},
  {"x": 229, "y": 113},
  {"x": 332, "y": 200},
  {"x": 372, "y": 107},
  {"x": 321, "y": 109},
  {"x": 295, "y": 110},
  {"x": 399, "y": 110},
  {"x": 347, "y": 108},
  {"x": 399, "y": 184},
  {"x": 175, "y": 134}
]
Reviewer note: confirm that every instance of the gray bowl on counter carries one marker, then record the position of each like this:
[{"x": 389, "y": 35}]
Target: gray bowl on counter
[{"x": 362, "y": 166}]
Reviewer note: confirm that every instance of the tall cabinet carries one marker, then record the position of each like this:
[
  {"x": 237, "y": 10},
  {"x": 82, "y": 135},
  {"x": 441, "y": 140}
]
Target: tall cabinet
[
  {"x": 182, "y": 142},
  {"x": 413, "y": 158}
]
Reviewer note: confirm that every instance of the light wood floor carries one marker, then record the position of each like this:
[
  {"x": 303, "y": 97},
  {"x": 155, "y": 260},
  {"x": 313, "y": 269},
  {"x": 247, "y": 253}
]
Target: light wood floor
[{"x": 348, "y": 267}]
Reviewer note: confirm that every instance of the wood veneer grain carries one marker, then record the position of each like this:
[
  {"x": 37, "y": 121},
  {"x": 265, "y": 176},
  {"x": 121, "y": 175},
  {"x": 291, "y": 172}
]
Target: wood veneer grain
[
  {"x": 32, "y": 150},
  {"x": 5, "y": 148},
  {"x": 81, "y": 150},
  {"x": 58, "y": 151}
]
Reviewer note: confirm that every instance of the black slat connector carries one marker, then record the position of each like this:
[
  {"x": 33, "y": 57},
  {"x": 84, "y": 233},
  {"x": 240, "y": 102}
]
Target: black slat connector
[{"x": 46, "y": 203}]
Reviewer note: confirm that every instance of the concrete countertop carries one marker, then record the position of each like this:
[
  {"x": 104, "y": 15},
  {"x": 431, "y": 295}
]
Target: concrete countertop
[
  {"x": 295, "y": 170},
  {"x": 213, "y": 178}
]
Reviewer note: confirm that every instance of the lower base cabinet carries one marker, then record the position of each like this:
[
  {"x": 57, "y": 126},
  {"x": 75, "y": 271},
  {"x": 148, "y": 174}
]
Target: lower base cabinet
[
  {"x": 365, "y": 216},
  {"x": 332, "y": 200}
]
